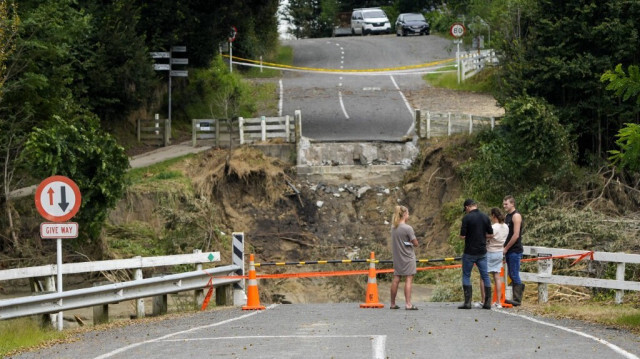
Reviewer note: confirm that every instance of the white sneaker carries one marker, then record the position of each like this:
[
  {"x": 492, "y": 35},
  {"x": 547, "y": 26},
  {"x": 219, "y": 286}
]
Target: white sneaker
[
  {"x": 477, "y": 305},
  {"x": 497, "y": 305}
]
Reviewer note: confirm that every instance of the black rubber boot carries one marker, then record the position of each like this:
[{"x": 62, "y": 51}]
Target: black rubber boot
[
  {"x": 517, "y": 290},
  {"x": 487, "y": 298},
  {"x": 467, "y": 297}
]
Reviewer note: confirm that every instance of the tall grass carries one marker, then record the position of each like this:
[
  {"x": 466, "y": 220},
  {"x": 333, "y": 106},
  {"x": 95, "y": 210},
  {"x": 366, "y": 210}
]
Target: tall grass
[
  {"x": 284, "y": 56},
  {"x": 23, "y": 333},
  {"x": 483, "y": 82}
]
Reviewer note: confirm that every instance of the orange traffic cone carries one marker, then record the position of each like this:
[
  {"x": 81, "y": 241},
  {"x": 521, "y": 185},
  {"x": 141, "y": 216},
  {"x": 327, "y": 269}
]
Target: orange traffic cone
[
  {"x": 503, "y": 296},
  {"x": 372, "y": 287},
  {"x": 253, "y": 298}
]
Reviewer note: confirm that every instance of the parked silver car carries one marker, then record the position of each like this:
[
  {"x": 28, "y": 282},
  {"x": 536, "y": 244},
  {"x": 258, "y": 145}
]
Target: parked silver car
[{"x": 411, "y": 23}]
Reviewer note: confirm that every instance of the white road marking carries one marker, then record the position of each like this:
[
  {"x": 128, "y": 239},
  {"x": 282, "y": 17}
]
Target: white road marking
[
  {"x": 344, "y": 110},
  {"x": 280, "y": 99},
  {"x": 406, "y": 104},
  {"x": 130, "y": 346},
  {"x": 611, "y": 346},
  {"x": 378, "y": 342}
]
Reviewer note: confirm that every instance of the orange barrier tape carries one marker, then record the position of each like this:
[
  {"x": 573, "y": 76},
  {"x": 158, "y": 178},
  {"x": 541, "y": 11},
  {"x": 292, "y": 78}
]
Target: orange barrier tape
[{"x": 382, "y": 271}]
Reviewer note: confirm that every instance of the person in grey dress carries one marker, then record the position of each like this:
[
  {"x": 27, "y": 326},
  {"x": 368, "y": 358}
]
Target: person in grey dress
[{"x": 403, "y": 241}]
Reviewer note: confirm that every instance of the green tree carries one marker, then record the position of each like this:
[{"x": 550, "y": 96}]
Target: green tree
[
  {"x": 530, "y": 148},
  {"x": 628, "y": 87},
  {"x": 80, "y": 150},
  {"x": 560, "y": 52}
]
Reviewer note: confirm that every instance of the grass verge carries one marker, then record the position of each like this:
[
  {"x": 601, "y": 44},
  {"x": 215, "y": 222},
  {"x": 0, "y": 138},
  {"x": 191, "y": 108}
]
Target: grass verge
[
  {"x": 483, "y": 82},
  {"x": 284, "y": 56},
  {"x": 25, "y": 333}
]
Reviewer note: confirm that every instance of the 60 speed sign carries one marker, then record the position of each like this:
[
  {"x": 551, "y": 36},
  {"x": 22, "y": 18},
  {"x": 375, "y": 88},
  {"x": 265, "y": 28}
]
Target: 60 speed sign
[{"x": 457, "y": 30}]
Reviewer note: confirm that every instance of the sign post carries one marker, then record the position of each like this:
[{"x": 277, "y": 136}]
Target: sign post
[
  {"x": 232, "y": 38},
  {"x": 58, "y": 199},
  {"x": 457, "y": 30},
  {"x": 172, "y": 73}
]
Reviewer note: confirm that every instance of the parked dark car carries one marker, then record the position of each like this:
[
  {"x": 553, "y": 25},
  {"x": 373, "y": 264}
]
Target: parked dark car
[{"x": 411, "y": 23}]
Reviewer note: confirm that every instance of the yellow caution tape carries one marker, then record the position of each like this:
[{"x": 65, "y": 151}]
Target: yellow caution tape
[{"x": 408, "y": 67}]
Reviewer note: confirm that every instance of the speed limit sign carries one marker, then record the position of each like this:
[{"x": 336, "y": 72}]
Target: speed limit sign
[{"x": 457, "y": 30}]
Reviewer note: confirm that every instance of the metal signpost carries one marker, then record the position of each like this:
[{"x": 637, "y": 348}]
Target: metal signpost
[
  {"x": 58, "y": 199},
  {"x": 169, "y": 67},
  {"x": 232, "y": 38},
  {"x": 457, "y": 30}
]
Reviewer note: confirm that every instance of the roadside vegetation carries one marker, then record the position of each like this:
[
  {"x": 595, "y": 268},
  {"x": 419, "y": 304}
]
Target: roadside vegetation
[
  {"x": 568, "y": 147},
  {"x": 23, "y": 333}
]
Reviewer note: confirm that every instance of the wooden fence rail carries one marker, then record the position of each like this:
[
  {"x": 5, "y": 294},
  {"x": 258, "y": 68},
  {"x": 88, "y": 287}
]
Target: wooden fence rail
[{"x": 433, "y": 124}]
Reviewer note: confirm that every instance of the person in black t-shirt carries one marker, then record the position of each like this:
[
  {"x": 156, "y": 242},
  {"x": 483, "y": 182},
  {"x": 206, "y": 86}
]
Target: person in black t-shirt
[
  {"x": 475, "y": 229},
  {"x": 513, "y": 248}
]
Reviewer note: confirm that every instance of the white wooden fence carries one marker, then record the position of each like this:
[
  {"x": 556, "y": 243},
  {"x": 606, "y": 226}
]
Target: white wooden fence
[
  {"x": 435, "y": 124},
  {"x": 245, "y": 130},
  {"x": 474, "y": 62},
  {"x": 545, "y": 276}
]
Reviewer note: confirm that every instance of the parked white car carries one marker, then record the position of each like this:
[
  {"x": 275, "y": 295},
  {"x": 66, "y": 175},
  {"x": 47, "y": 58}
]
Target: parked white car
[{"x": 369, "y": 21}]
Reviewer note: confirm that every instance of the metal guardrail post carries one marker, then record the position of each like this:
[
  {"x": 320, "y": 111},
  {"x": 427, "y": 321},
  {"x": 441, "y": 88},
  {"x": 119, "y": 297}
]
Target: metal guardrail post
[
  {"x": 159, "y": 301},
  {"x": 237, "y": 258},
  {"x": 100, "y": 312}
]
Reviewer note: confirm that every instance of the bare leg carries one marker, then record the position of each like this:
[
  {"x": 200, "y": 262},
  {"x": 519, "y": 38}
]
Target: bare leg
[
  {"x": 481, "y": 290},
  {"x": 394, "y": 289},
  {"x": 408, "y": 282},
  {"x": 498, "y": 291}
]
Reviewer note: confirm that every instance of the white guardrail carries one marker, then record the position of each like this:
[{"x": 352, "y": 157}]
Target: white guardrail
[
  {"x": 430, "y": 124},
  {"x": 545, "y": 276},
  {"x": 116, "y": 292}
]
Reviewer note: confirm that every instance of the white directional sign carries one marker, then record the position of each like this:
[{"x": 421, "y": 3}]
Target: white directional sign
[
  {"x": 160, "y": 55},
  {"x": 58, "y": 198},
  {"x": 59, "y": 230}
]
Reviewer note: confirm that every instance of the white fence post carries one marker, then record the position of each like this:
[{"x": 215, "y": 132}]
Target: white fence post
[
  {"x": 620, "y": 276},
  {"x": 418, "y": 122},
  {"x": 198, "y": 294},
  {"x": 240, "y": 130},
  {"x": 449, "y": 125},
  {"x": 137, "y": 275},
  {"x": 193, "y": 132},
  {"x": 493, "y": 123},
  {"x": 287, "y": 130},
  {"x": 470, "y": 124},
  {"x": 428, "y": 124},
  {"x": 545, "y": 268},
  {"x": 263, "y": 127}
]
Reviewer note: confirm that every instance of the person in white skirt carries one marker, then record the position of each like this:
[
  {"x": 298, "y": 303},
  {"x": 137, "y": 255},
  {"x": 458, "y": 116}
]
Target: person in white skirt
[{"x": 494, "y": 253}]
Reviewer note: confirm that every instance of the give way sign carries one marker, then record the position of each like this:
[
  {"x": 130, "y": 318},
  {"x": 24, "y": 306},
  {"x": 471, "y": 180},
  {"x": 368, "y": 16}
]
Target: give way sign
[{"x": 58, "y": 198}]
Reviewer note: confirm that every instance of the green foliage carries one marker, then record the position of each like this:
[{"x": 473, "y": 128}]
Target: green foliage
[
  {"x": 629, "y": 143},
  {"x": 529, "y": 149},
  {"x": 623, "y": 85},
  {"x": 215, "y": 93},
  {"x": 23, "y": 333},
  {"x": 483, "y": 82},
  {"x": 559, "y": 52},
  {"x": 78, "y": 149},
  {"x": 441, "y": 20}
]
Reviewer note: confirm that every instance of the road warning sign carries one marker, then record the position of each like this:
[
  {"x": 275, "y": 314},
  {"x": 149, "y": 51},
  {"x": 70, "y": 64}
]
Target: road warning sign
[{"x": 58, "y": 198}]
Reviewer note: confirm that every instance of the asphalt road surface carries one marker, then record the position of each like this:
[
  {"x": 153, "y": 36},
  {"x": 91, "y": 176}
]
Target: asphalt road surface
[
  {"x": 343, "y": 330},
  {"x": 343, "y": 107}
]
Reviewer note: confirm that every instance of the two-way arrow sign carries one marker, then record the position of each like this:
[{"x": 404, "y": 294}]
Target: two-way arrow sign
[{"x": 57, "y": 198}]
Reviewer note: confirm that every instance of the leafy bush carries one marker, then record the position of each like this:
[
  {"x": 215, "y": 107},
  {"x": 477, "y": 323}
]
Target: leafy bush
[
  {"x": 529, "y": 149},
  {"x": 628, "y": 156},
  {"x": 214, "y": 92},
  {"x": 80, "y": 150}
]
